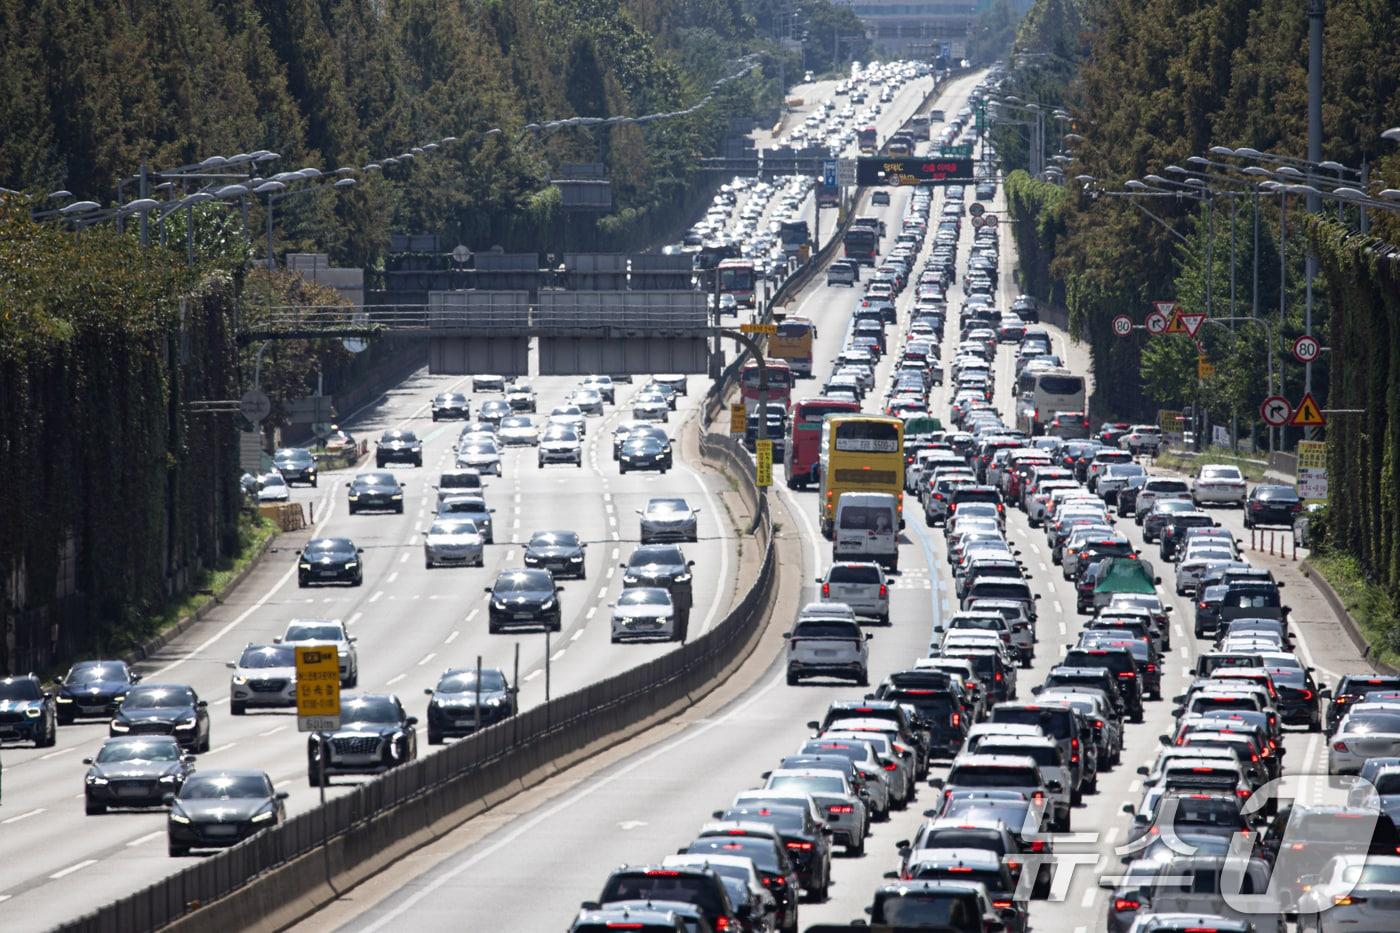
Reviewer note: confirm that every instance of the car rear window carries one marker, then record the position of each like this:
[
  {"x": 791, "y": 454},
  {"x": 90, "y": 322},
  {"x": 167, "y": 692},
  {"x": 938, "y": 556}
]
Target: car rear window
[
  {"x": 1047, "y": 756},
  {"x": 993, "y": 776},
  {"x": 847, "y": 573},
  {"x": 976, "y": 495},
  {"x": 990, "y": 590},
  {"x": 988, "y": 840},
  {"x": 826, "y": 629},
  {"x": 662, "y": 885},
  {"x": 1053, "y": 722}
]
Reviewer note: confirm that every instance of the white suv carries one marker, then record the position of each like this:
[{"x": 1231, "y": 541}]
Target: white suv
[
  {"x": 827, "y": 646},
  {"x": 860, "y": 585}
]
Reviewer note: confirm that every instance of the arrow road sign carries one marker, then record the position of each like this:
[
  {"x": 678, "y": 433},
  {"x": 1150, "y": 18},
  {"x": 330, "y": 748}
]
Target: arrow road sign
[
  {"x": 1275, "y": 411},
  {"x": 977, "y": 209},
  {"x": 1156, "y": 322},
  {"x": 1122, "y": 326},
  {"x": 1192, "y": 322},
  {"x": 1308, "y": 415},
  {"x": 1306, "y": 348}
]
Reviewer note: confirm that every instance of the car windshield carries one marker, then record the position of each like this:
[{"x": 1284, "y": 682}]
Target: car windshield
[
  {"x": 153, "y": 697},
  {"x": 667, "y": 505},
  {"x": 659, "y": 554},
  {"x": 225, "y": 786},
  {"x": 138, "y": 750},
  {"x": 461, "y": 526},
  {"x": 811, "y": 784},
  {"x": 369, "y": 709},
  {"x": 644, "y": 596},
  {"x": 329, "y": 547},
  {"x": 306, "y": 632},
  {"x": 554, "y": 539},
  {"x": 660, "y": 886},
  {"x": 292, "y": 455},
  {"x": 1220, "y": 473},
  {"x": 406, "y": 436},
  {"x": 472, "y": 506},
  {"x": 516, "y": 422},
  {"x": 481, "y": 447},
  {"x": 269, "y": 656},
  {"x": 465, "y": 681},
  {"x": 523, "y": 582},
  {"x": 559, "y": 432},
  {"x": 825, "y": 629},
  {"x": 1202, "y": 809},
  {"x": 273, "y": 479},
  {"x": 1174, "y": 505},
  {"x": 96, "y": 671},
  {"x": 21, "y": 688}
]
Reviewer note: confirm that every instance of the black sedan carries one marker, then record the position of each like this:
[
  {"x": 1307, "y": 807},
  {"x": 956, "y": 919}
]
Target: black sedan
[
  {"x": 1272, "y": 505},
  {"x": 524, "y": 597},
  {"x": 164, "y": 709},
  {"x": 452, "y": 709},
  {"x": 27, "y": 712},
  {"x": 135, "y": 771},
  {"x": 379, "y": 490},
  {"x": 93, "y": 689},
  {"x": 662, "y": 565},
  {"x": 375, "y": 734},
  {"x": 451, "y": 405},
  {"x": 296, "y": 464},
  {"x": 560, "y": 552},
  {"x": 217, "y": 809},
  {"x": 398, "y": 447},
  {"x": 330, "y": 560},
  {"x": 643, "y": 453}
]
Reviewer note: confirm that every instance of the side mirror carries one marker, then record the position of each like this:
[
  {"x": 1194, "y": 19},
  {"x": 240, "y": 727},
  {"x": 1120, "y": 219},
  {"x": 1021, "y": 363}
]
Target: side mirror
[
  {"x": 359, "y": 550},
  {"x": 1179, "y": 698},
  {"x": 167, "y": 799},
  {"x": 187, "y": 759},
  {"x": 558, "y": 589},
  {"x": 717, "y": 814},
  {"x": 87, "y": 761},
  {"x": 277, "y": 639},
  {"x": 1035, "y": 596},
  {"x": 891, "y": 874},
  {"x": 593, "y": 905},
  {"x": 1108, "y": 884},
  {"x": 869, "y": 635},
  {"x": 230, "y": 665},
  {"x": 411, "y": 721},
  {"x": 1178, "y": 710},
  {"x": 1280, "y": 585},
  {"x": 1325, "y": 693},
  {"x": 935, "y": 783},
  {"x": 282, "y": 795},
  {"x": 1142, "y": 769},
  {"x": 347, "y": 485},
  {"x": 764, "y": 775},
  {"x": 1168, "y": 608},
  {"x": 1164, "y": 740},
  {"x": 1127, "y": 808},
  {"x": 202, "y": 704},
  {"x": 1054, "y": 787},
  {"x": 623, "y": 566},
  {"x": 1157, "y": 580}
]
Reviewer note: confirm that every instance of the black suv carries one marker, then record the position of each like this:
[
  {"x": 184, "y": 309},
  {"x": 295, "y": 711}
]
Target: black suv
[
  {"x": 1174, "y": 531},
  {"x": 524, "y": 597},
  {"x": 662, "y": 565},
  {"x": 375, "y": 734},
  {"x": 1099, "y": 678},
  {"x": 28, "y": 712},
  {"x": 164, "y": 709},
  {"x": 1120, "y": 662},
  {"x": 451, "y": 405},
  {"x": 688, "y": 884},
  {"x": 938, "y": 701},
  {"x": 398, "y": 447},
  {"x": 455, "y": 701}
]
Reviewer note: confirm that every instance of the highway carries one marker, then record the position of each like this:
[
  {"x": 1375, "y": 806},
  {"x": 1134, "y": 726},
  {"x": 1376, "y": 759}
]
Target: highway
[
  {"x": 411, "y": 623},
  {"x": 530, "y": 869}
]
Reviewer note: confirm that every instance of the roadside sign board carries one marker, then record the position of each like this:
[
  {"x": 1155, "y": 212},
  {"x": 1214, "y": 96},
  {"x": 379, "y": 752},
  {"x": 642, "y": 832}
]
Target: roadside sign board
[
  {"x": 738, "y": 419},
  {"x": 1275, "y": 410},
  {"x": 758, "y": 329},
  {"x": 829, "y": 173},
  {"x": 1156, "y": 323},
  {"x": 255, "y": 405},
  {"x": 1306, "y": 348},
  {"x": 977, "y": 209},
  {"x": 1192, "y": 321},
  {"x": 846, "y": 172},
  {"x": 1312, "y": 469},
  {"x": 318, "y": 688},
  {"x": 1164, "y": 308},
  {"x": 763, "y": 461},
  {"x": 1308, "y": 414},
  {"x": 1173, "y": 425},
  {"x": 1204, "y": 368},
  {"x": 893, "y": 170},
  {"x": 1122, "y": 325}
]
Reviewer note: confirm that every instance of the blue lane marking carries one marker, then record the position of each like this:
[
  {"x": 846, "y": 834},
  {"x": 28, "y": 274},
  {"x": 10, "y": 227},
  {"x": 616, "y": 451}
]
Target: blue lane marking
[
  {"x": 433, "y": 433},
  {"x": 933, "y": 583}
]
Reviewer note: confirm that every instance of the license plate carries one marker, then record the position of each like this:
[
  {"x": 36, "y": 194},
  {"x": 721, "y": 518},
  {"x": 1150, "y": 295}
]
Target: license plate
[
  {"x": 220, "y": 830},
  {"x": 124, "y": 791},
  {"x": 524, "y": 615},
  {"x": 94, "y": 710},
  {"x": 825, "y": 652},
  {"x": 465, "y": 723},
  {"x": 327, "y": 573}
]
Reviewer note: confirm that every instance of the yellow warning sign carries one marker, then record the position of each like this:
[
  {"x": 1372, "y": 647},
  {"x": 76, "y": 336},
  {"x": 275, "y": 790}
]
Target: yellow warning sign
[
  {"x": 1312, "y": 455},
  {"x": 318, "y": 688},
  {"x": 1204, "y": 368},
  {"x": 763, "y": 461},
  {"x": 1308, "y": 414},
  {"x": 758, "y": 328},
  {"x": 1176, "y": 325},
  {"x": 738, "y": 419}
]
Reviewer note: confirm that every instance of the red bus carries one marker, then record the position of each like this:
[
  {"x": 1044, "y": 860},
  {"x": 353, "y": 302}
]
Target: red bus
[
  {"x": 803, "y": 448},
  {"x": 736, "y": 277},
  {"x": 779, "y": 383}
]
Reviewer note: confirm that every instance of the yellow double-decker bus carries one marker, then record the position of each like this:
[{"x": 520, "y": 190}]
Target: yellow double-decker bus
[{"x": 859, "y": 453}]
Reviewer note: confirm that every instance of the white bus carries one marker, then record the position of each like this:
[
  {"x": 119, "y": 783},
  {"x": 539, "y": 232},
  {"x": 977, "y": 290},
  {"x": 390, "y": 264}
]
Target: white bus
[{"x": 1042, "y": 393}]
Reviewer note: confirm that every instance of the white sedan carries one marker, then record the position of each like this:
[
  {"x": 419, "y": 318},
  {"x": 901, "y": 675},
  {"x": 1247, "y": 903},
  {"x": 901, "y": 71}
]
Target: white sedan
[
  {"x": 570, "y": 416},
  {"x": 1353, "y": 892},
  {"x": 1369, "y": 730},
  {"x": 454, "y": 541},
  {"x": 1219, "y": 483},
  {"x": 518, "y": 429}
]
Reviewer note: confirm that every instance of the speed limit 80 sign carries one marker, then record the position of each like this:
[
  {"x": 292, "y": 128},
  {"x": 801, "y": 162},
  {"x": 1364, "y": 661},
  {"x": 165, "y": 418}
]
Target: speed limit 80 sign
[{"x": 1122, "y": 325}]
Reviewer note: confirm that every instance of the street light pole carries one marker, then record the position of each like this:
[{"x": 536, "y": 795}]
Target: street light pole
[{"x": 1317, "y": 11}]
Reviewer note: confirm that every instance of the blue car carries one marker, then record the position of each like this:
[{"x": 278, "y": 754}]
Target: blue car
[
  {"x": 93, "y": 689},
  {"x": 27, "y": 712}
]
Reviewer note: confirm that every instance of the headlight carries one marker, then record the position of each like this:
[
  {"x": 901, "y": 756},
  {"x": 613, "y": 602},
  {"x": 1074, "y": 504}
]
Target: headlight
[
  {"x": 547, "y": 604},
  {"x": 342, "y": 652},
  {"x": 351, "y": 564},
  {"x": 119, "y": 726},
  {"x": 65, "y": 699},
  {"x": 32, "y": 713},
  {"x": 187, "y": 724},
  {"x": 498, "y": 604},
  {"x": 179, "y": 818},
  {"x": 629, "y": 578},
  {"x": 354, "y": 495},
  {"x": 576, "y": 559},
  {"x": 263, "y": 816},
  {"x": 95, "y": 779},
  {"x": 169, "y": 778},
  {"x": 397, "y": 495},
  {"x": 683, "y": 578},
  {"x": 239, "y": 679},
  {"x": 302, "y": 566}
]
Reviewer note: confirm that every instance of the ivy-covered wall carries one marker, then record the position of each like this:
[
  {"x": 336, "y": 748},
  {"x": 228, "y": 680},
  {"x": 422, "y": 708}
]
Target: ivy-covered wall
[{"x": 118, "y": 493}]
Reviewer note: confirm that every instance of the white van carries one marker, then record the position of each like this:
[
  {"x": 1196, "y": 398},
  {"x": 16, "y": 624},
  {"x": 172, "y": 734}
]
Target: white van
[
  {"x": 1045, "y": 393},
  {"x": 866, "y": 528}
]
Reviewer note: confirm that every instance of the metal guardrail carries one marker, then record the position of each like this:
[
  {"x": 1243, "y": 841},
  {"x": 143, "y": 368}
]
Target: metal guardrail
[{"x": 414, "y": 796}]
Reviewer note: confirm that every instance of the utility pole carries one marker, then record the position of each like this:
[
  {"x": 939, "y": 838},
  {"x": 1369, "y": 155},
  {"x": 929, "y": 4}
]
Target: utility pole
[{"x": 1317, "y": 11}]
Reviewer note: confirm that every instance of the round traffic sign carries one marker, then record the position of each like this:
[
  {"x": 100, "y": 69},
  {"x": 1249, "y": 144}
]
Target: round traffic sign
[
  {"x": 977, "y": 209},
  {"x": 1275, "y": 410},
  {"x": 255, "y": 405},
  {"x": 1122, "y": 325},
  {"x": 1306, "y": 348},
  {"x": 1156, "y": 322}
]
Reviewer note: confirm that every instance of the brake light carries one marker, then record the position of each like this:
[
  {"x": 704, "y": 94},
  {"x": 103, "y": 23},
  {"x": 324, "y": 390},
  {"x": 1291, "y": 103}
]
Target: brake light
[
  {"x": 1012, "y": 864},
  {"x": 1037, "y": 796},
  {"x": 1128, "y": 675},
  {"x": 1098, "y": 723},
  {"x": 1002, "y": 905},
  {"x": 1339, "y": 746},
  {"x": 997, "y": 676},
  {"x": 960, "y": 869},
  {"x": 1307, "y": 694},
  {"x": 1151, "y": 667},
  {"x": 956, "y": 719},
  {"x": 826, "y": 590},
  {"x": 1038, "y": 845},
  {"x": 721, "y": 924},
  {"x": 841, "y": 808},
  {"x": 1346, "y": 900},
  {"x": 891, "y": 766},
  {"x": 662, "y": 873},
  {"x": 800, "y": 846},
  {"x": 1123, "y": 903},
  {"x": 623, "y": 925},
  {"x": 884, "y": 591}
]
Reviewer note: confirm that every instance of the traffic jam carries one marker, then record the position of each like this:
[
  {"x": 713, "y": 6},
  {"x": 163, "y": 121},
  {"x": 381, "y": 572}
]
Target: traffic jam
[{"x": 1096, "y": 735}]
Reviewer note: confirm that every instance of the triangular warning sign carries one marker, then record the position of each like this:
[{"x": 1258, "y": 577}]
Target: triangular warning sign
[
  {"x": 1175, "y": 325},
  {"x": 1164, "y": 308},
  {"x": 1191, "y": 321},
  {"x": 1308, "y": 414}
]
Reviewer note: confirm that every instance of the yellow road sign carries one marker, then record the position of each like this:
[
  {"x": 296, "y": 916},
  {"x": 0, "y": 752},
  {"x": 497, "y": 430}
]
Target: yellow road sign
[
  {"x": 318, "y": 688},
  {"x": 738, "y": 419},
  {"x": 1308, "y": 414},
  {"x": 1204, "y": 368},
  {"x": 763, "y": 458},
  {"x": 758, "y": 328},
  {"x": 1312, "y": 455},
  {"x": 1176, "y": 325}
]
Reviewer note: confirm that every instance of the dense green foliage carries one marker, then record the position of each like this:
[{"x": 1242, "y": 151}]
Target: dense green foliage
[
  {"x": 124, "y": 494},
  {"x": 1151, "y": 85},
  {"x": 88, "y": 91}
]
